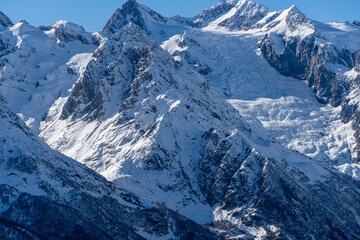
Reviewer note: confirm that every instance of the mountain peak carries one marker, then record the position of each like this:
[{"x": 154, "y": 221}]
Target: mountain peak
[
  {"x": 214, "y": 12},
  {"x": 127, "y": 46},
  {"x": 64, "y": 24},
  {"x": 134, "y": 12},
  {"x": 298, "y": 22},
  {"x": 68, "y": 32},
  {"x": 24, "y": 21},
  {"x": 5, "y": 20},
  {"x": 295, "y": 10},
  {"x": 242, "y": 16}
]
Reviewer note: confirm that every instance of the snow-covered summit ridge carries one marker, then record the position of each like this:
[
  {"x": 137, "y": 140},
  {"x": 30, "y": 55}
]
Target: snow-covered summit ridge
[
  {"x": 134, "y": 12},
  {"x": 242, "y": 16},
  {"x": 213, "y": 12},
  {"x": 215, "y": 54},
  {"x": 65, "y": 32},
  {"x": 297, "y": 23},
  {"x": 248, "y": 15},
  {"x": 158, "y": 27}
]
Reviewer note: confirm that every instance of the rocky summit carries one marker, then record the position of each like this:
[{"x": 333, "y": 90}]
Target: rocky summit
[{"x": 237, "y": 123}]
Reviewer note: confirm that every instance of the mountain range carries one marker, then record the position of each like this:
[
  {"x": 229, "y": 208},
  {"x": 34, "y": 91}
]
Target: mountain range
[{"x": 238, "y": 123}]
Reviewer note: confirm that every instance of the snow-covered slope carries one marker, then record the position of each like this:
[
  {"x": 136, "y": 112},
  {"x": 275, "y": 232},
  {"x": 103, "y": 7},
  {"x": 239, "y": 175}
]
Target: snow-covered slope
[
  {"x": 130, "y": 96},
  {"x": 286, "y": 107},
  {"x": 65, "y": 31},
  {"x": 327, "y": 58},
  {"x": 150, "y": 122},
  {"x": 38, "y": 65},
  {"x": 146, "y": 122},
  {"x": 211, "y": 14},
  {"x": 232, "y": 63},
  {"x": 44, "y": 194},
  {"x": 242, "y": 16}
]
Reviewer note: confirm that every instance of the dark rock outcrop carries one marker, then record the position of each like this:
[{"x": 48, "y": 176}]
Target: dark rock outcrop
[
  {"x": 304, "y": 59},
  {"x": 5, "y": 20},
  {"x": 307, "y": 60}
]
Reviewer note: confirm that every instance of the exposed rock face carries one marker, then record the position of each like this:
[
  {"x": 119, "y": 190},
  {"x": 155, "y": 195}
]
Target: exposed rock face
[
  {"x": 5, "y": 20},
  {"x": 158, "y": 27},
  {"x": 47, "y": 195},
  {"x": 243, "y": 16},
  {"x": 310, "y": 59},
  {"x": 131, "y": 11},
  {"x": 120, "y": 77},
  {"x": 269, "y": 182},
  {"x": 296, "y": 20},
  {"x": 38, "y": 65},
  {"x": 350, "y": 109},
  {"x": 69, "y": 32},
  {"x": 214, "y": 12},
  {"x": 305, "y": 59}
]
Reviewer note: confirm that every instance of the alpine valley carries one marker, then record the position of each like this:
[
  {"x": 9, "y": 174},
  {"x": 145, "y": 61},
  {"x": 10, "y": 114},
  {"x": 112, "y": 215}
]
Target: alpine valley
[{"x": 238, "y": 123}]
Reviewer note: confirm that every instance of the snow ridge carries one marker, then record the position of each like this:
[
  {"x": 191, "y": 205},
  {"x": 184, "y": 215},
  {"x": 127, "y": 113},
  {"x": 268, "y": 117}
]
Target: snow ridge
[
  {"x": 241, "y": 17},
  {"x": 213, "y": 12}
]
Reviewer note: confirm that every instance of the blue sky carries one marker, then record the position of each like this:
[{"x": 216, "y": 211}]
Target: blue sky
[{"x": 93, "y": 14}]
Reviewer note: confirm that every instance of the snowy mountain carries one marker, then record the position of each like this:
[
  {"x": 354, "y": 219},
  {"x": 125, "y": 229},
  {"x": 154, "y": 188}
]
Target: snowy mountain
[
  {"x": 159, "y": 27},
  {"x": 38, "y": 65},
  {"x": 327, "y": 59},
  {"x": 233, "y": 63},
  {"x": 152, "y": 104},
  {"x": 214, "y": 12},
  {"x": 242, "y": 16},
  {"x": 152, "y": 125},
  {"x": 47, "y": 195},
  {"x": 69, "y": 32}
]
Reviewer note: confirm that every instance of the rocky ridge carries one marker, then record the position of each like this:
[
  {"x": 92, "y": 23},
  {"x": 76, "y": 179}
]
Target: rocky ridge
[{"x": 47, "y": 195}]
